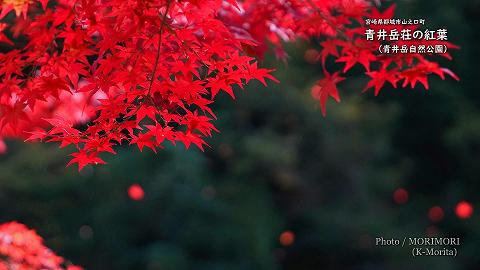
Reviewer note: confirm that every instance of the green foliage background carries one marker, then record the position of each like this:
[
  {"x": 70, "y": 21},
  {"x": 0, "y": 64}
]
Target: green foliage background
[{"x": 277, "y": 165}]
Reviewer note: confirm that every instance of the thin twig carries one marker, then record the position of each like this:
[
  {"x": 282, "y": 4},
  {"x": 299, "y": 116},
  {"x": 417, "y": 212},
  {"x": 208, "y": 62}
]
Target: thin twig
[{"x": 157, "y": 58}]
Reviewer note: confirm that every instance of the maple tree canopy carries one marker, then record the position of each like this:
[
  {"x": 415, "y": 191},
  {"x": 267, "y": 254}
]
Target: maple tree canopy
[
  {"x": 100, "y": 73},
  {"x": 22, "y": 249}
]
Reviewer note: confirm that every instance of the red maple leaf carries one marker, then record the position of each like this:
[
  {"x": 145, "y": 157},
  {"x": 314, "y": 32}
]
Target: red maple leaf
[
  {"x": 327, "y": 87},
  {"x": 380, "y": 77},
  {"x": 83, "y": 158}
]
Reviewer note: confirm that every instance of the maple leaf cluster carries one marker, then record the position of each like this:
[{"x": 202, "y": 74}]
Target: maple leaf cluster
[
  {"x": 100, "y": 73},
  {"x": 338, "y": 26},
  {"x": 23, "y": 249}
]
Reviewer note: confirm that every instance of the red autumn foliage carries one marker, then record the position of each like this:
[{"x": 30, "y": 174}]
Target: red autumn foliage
[
  {"x": 22, "y": 249},
  {"x": 100, "y": 73}
]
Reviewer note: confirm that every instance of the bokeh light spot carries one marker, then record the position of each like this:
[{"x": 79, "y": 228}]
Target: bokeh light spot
[
  {"x": 85, "y": 232},
  {"x": 400, "y": 196},
  {"x": 432, "y": 231},
  {"x": 311, "y": 56},
  {"x": 464, "y": 210},
  {"x": 436, "y": 214},
  {"x": 135, "y": 192},
  {"x": 287, "y": 238},
  {"x": 3, "y": 147}
]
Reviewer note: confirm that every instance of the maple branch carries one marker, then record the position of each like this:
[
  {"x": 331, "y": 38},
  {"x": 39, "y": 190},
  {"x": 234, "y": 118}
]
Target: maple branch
[{"x": 157, "y": 58}]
